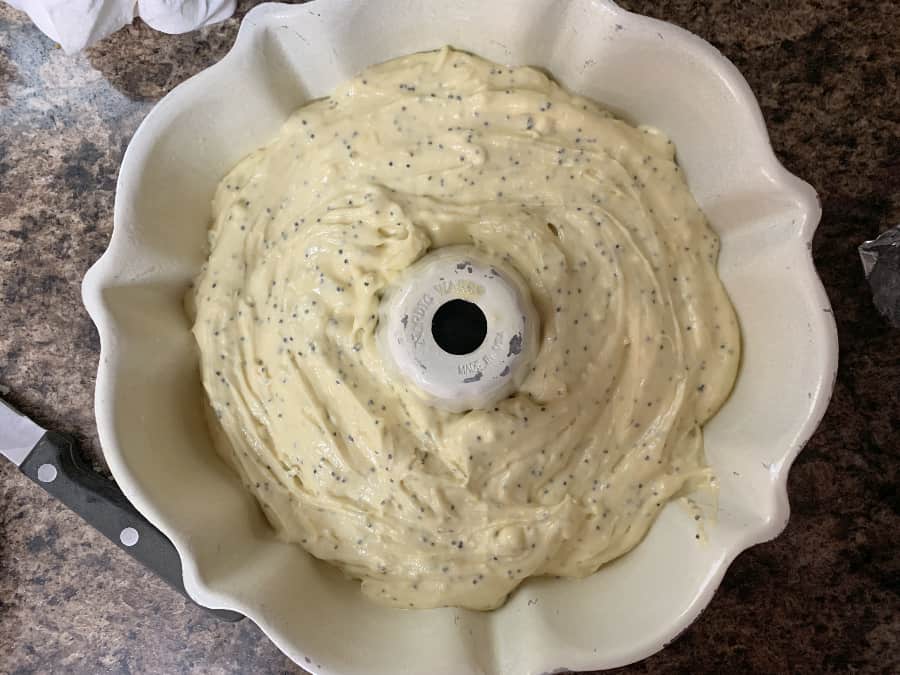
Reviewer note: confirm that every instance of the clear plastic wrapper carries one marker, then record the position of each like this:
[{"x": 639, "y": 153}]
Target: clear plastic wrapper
[{"x": 881, "y": 264}]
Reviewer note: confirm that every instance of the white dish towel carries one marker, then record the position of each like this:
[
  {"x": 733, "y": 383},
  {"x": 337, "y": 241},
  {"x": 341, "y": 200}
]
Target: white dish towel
[{"x": 76, "y": 24}]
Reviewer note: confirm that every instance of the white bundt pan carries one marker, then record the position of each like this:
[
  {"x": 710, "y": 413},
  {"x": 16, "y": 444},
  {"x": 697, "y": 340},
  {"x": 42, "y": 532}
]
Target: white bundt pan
[{"x": 148, "y": 398}]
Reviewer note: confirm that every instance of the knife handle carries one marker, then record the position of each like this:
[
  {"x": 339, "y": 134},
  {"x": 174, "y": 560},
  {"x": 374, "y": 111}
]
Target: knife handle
[{"x": 56, "y": 465}]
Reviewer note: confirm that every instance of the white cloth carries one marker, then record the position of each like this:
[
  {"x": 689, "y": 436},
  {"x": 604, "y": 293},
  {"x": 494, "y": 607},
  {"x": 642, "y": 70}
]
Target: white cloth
[{"x": 76, "y": 24}]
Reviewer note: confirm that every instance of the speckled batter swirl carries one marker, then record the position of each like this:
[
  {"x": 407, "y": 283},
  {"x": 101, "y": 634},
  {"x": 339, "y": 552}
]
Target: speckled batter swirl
[{"x": 639, "y": 342}]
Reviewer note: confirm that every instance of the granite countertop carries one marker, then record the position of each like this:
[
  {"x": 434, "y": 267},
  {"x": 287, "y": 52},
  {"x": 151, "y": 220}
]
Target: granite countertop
[{"x": 823, "y": 597}]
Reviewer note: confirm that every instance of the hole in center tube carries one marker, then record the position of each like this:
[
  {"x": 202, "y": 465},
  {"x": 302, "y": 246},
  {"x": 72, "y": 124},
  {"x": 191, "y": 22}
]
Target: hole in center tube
[{"x": 459, "y": 327}]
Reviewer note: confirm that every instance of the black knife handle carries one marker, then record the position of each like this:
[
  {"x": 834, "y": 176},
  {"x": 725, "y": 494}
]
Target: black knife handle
[{"x": 56, "y": 465}]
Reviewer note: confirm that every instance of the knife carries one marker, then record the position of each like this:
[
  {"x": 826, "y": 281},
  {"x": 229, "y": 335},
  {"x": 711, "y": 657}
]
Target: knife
[{"x": 53, "y": 462}]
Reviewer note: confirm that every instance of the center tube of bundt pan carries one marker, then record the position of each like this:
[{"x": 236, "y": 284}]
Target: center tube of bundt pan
[{"x": 460, "y": 328}]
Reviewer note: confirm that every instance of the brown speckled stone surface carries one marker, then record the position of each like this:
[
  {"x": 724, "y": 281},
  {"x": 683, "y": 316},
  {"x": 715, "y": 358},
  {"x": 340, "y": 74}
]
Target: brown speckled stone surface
[{"x": 823, "y": 597}]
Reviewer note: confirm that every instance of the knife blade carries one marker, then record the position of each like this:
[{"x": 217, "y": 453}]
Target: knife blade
[
  {"x": 52, "y": 461},
  {"x": 18, "y": 434}
]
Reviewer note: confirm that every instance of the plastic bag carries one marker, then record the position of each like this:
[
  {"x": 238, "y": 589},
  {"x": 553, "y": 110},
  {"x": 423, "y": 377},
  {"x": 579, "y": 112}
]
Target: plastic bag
[
  {"x": 881, "y": 264},
  {"x": 76, "y": 24}
]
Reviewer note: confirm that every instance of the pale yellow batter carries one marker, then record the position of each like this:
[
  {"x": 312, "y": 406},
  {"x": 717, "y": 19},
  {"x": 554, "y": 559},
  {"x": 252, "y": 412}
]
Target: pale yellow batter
[{"x": 639, "y": 342}]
